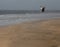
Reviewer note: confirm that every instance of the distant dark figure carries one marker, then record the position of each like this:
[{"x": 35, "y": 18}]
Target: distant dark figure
[{"x": 42, "y": 9}]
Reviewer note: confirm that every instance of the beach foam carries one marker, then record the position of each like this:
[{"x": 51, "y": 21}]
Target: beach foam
[{"x": 8, "y": 19}]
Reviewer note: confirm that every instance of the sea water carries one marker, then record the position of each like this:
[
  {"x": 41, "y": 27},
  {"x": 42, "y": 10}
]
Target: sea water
[{"x": 8, "y": 19}]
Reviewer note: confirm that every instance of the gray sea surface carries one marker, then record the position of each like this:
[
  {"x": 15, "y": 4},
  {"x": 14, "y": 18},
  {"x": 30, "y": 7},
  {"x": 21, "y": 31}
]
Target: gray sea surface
[{"x": 8, "y": 19}]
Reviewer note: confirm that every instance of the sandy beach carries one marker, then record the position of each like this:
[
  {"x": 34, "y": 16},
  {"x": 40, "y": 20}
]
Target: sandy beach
[{"x": 41, "y": 33}]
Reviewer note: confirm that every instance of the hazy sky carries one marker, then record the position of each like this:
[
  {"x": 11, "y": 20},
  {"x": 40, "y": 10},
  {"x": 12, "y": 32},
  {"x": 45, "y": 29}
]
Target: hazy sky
[{"x": 29, "y": 4}]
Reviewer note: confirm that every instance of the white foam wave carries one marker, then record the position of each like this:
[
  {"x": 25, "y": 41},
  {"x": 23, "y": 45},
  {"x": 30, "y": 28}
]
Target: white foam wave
[{"x": 18, "y": 18}]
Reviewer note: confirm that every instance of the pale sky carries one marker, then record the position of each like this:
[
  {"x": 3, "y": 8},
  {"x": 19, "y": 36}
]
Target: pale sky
[{"x": 29, "y": 4}]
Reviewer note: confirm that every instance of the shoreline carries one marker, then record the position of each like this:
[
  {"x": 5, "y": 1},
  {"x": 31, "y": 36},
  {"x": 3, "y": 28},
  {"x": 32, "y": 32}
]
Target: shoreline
[{"x": 10, "y": 19}]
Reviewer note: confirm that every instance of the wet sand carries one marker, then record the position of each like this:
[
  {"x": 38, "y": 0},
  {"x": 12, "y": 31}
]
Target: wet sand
[{"x": 42, "y": 33}]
